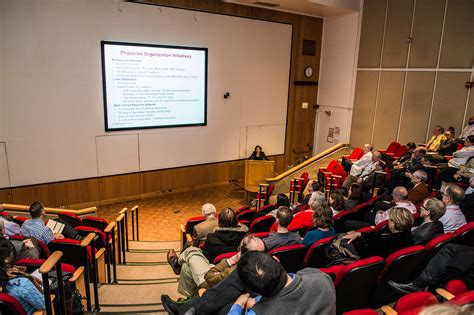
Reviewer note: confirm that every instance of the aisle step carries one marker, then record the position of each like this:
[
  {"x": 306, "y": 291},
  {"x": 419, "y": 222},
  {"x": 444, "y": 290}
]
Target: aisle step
[
  {"x": 154, "y": 245},
  {"x": 144, "y": 272}
]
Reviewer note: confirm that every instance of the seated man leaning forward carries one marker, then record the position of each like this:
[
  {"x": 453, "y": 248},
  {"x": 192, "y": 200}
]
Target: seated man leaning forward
[
  {"x": 309, "y": 291},
  {"x": 201, "y": 230},
  {"x": 282, "y": 236},
  {"x": 196, "y": 272},
  {"x": 35, "y": 226}
]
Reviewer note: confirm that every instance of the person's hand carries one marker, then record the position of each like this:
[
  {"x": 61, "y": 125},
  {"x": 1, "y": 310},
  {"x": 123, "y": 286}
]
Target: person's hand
[
  {"x": 234, "y": 259},
  {"x": 250, "y": 302},
  {"x": 242, "y": 300},
  {"x": 380, "y": 212},
  {"x": 359, "y": 180},
  {"x": 457, "y": 176},
  {"x": 58, "y": 236},
  {"x": 352, "y": 236},
  {"x": 408, "y": 174},
  {"x": 28, "y": 243}
]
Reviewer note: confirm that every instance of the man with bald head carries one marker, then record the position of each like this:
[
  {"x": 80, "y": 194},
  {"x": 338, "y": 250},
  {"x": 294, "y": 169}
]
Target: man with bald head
[
  {"x": 453, "y": 218},
  {"x": 365, "y": 159}
]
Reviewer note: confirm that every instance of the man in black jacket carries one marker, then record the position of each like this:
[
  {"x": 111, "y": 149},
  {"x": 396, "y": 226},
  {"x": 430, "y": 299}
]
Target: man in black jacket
[{"x": 431, "y": 210}]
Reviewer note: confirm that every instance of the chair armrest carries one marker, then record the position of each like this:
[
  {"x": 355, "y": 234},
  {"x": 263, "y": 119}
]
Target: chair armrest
[
  {"x": 445, "y": 294},
  {"x": 182, "y": 228},
  {"x": 99, "y": 253},
  {"x": 387, "y": 309},
  {"x": 391, "y": 154},
  {"x": 201, "y": 291},
  {"x": 134, "y": 208},
  {"x": 189, "y": 238},
  {"x": 109, "y": 227},
  {"x": 87, "y": 241},
  {"x": 337, "y": 176},
  {"x": 50, "y": 262},
  {"x": 354, "y": 160},
  {"x": 448, "y": 157},
  {"x": 327, "y": 173},
  {"x": 123, "y": 210},
  {"x": 79, "y": 271}
]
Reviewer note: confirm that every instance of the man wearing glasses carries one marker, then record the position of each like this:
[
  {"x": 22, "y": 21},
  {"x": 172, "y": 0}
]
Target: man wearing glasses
[
  {"x": 453, "y": 219},
  {"x": 437, "y": 138}
]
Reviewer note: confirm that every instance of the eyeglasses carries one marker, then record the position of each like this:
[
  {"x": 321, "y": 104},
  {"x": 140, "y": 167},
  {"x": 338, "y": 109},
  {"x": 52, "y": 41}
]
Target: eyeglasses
[
  {"x": 437, "y": 130},
  {"x": 424, "y": 208}
]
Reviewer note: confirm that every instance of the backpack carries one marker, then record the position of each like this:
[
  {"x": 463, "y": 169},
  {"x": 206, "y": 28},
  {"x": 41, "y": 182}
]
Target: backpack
[{"x": 340, "y": 251}]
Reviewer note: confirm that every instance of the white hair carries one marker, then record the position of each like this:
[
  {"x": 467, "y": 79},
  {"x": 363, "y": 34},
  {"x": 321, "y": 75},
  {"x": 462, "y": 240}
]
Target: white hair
[{"x": 208, "y": 210}]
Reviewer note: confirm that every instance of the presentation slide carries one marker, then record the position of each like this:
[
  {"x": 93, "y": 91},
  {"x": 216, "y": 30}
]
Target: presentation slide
[{"x": 153, "y": 86}]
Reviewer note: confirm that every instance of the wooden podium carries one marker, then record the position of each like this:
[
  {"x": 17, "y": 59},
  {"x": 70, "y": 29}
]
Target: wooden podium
[{"x": 255, "y": 173}]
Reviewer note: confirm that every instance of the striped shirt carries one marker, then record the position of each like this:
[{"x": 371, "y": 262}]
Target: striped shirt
[{"x": 36, "y": 228}]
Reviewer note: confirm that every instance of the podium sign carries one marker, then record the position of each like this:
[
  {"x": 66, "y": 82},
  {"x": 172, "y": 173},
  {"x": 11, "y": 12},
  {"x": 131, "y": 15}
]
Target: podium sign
[{"x": 255, "y": 173}]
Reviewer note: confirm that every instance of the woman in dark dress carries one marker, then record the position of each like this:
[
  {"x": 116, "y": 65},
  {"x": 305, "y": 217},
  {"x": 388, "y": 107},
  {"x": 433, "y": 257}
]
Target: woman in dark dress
[{"x": 258, "y": 154}]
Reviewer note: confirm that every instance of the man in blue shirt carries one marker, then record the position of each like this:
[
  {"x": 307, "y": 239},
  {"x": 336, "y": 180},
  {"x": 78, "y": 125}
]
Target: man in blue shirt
[{"x": 35, "y": 226}]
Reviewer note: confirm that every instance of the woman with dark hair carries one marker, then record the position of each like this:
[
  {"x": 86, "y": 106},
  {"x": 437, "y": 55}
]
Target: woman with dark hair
[
  {"x": 336, "y": 202},
  {"x": 226, "y": 237},
  {"x": 258, "y": 154},
  {"x": 282, "y": 201},
  {"x": 322, "y": 220},
  {"x": 356, "y": 197},
  {"x": 20, "y": 285}
]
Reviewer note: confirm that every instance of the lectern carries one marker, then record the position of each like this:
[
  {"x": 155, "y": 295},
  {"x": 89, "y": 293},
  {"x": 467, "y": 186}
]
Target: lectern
[{"x": 256, "y": 172}]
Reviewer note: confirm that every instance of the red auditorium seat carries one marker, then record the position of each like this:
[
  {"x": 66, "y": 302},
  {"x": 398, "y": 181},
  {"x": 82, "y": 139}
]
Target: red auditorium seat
[
  {"x": 465, "y": 234},
  {"x": 85, "y": 230},
  {"x": 223, "y": 256},
  {"x": 242, "y": 209},
  {"x": 355, "y": 155},
  {"x": 315, "y": 256},
  {"x": 44, "y": 254},
  {"x": 365, "y": 311},
  {"x": 261, "y": 234},
  {"x": 463, "y": 298},
  {"x": 325, "y": 172},
  {"x": 392, "y": 147},
  {"x": 290, "y": 256},
  {"x": 188, "y": 227},
  {"x": 9, "y": 305},
  {"x": 401, "y": 150},
  {"x": 267, "y": 208},
  {"x": 412, "y": 303},
  {"x": 95, "y": 222},
  {"x": 456, "y": 287},
  {"x": 262, "y": 224},
  {"x": 70, "y": 218},
  {"x": 401, "y": 266},
  {"x": 246, "y": 215},
  {"x": 436, "y": 243},
  {"x": 355, "y": 282},
  {"x": 18, "y": 219}
]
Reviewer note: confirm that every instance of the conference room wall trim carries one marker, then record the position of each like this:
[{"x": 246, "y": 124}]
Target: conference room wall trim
[{"x": 414, "y": 59}]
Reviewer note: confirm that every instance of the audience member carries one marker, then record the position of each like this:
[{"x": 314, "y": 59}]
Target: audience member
[
  {"x": 201, "y": 230},
  {"x": 401, "y": 175},
  {"x": 312, "y": 187},
  {"x": 454, "y": 175},
  {"x": 467, "y": 206},
  {"x": 468, "y": 129},
  {"x": 195, "y": 271},
  {"x": 282, "y": 236},
  {"x": 400, "y": 221},
  {"x": 355, "y": 197},
  {"x": 226, "y": 237},
  {"x": 362, "y": 173},
  {"x": 282, "y": 293},
  {"x": 453, "y": 261},
  {"x": 283, "y": 201},
  {"x": 448, "y": 146},
  {"x": 17, "y": 283},
  {"x": 356, "y": 167},
  {"x": 453, "y": 218},
  {"x": 419, "y": 191},
  {"x": 336, "y": 202},
  {"x": 436, "y": 140},
  {"x": 322, "y": 219},
  {"x": 431, "y": 211},
  {"x": 411, "y": 146},
  {"x": 35, "y": 226},
  {"x": 460, "y": 157},
  {"x": 400, "y": 200},
  {"x": 22, "y": 249},
  {"x": 11, "y": 228},
  {"x": 304, "y": 219}
]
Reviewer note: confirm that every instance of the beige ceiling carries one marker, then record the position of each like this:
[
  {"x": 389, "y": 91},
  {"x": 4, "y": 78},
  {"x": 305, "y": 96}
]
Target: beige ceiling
[{"x": 319, "y": 8}]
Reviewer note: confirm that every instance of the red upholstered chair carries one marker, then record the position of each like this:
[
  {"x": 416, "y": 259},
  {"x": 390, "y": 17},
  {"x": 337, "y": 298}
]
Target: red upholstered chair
[
  {"x": 355, "y": 155},
  {"x": 262, "y": 224},
  {"x": 412, "y": 303},
  {"x": 401, "y": 266},
  {"x": 325, "y": 172},
  {"x": 187, "y": 228},
  {"x": 315, "y": 256},
  {"x": 95, "y": 222},
  {"x": 261, "y": 234},
  {"x": 355, "y": 282},
  {"x": 392, "y": 147},
  {"x": 456, "y": 287},
  {"x": 364, "y": 311},
  {"x": 463, "y": 298},
  {"x": 223, "y": 256},
  {"x": 242, "y": 209},
  {"x": 9, "y": 305},
  {"x": 267, "y": 208},
  {"x": 438, "y": 242},
  {"x": 356, "y": 213},
  {"x": 85, "y": 230},
  {"x": 44, "y": 253},
  {"x": 70, "y": 218},
  {"x": 32, "y": 264},
  {"x": 465, "y": 234},
  {"x": 266, "y": 194},
  {"x": 400, "y": 152},
  {"x": 246, "y": 215},
  {"x": 290, "y": 256},
  {"x": 18, "y": 219}
]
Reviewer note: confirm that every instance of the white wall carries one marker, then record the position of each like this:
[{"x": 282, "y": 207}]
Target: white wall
[
  {"x": 51, "y": 109},
  {"x": 336, "y": 79}
]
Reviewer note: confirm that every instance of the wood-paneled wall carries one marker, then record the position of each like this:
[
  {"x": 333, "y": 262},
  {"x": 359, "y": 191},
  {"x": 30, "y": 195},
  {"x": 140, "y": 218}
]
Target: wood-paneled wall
[{"x": 299, "y": 131}]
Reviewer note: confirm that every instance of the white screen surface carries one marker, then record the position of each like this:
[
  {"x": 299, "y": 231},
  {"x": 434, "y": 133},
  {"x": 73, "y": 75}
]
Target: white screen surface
[{"x": 150, "y": 86}]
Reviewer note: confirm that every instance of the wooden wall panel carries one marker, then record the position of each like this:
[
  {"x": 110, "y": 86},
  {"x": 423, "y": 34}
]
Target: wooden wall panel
[
  {"x": 219, "y": 172},
  {"x": 115, "y": 188},
  {"x": 427, "y": 26},
  {"x": 6, "y": 196},
  {"x": 388, "y": 108},
  {"x": 416, "y": 106},
  {"x": 372, "y": 33},
  {"x": 364, "y": 107},
  {"x": 457, "y": 50},
  {"x": 151, "y": 182},
  {"x": 449, "y": 100},
  {"x": 397, "y": 29}
]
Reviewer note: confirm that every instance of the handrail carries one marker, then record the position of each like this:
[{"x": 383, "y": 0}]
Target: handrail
[
  {"x": 109, "y": 227},
  {"x": 23, "y": 208},
  {"x": 134, "y": 211},
  {"x": 124, "y": 210},
  {"x": 307, "y": 162}
]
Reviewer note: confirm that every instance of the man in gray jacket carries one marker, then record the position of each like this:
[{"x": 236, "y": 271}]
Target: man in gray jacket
[{"x": 309, "y": 291}]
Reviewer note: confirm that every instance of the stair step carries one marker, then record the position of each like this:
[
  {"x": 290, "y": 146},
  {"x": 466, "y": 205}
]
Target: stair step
[
  {"x": 154, "y": 245},
  {"x": 126, "y": 272},
  {"x": 126, "y": 294},
  {"x": 133, "y": 257}
]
